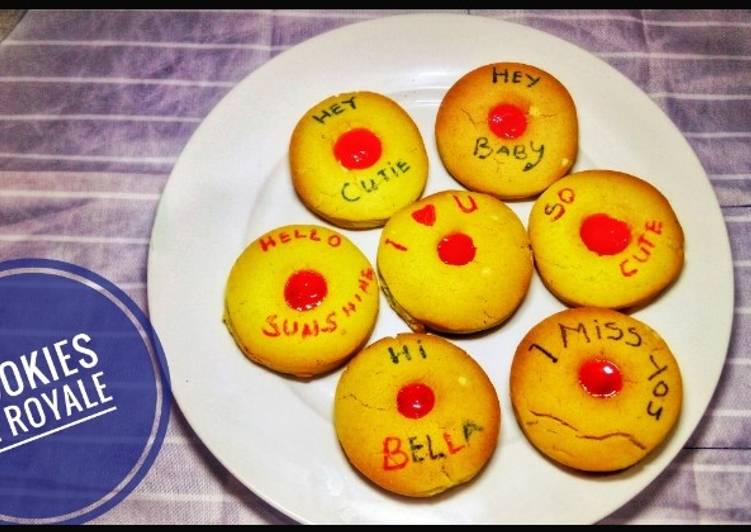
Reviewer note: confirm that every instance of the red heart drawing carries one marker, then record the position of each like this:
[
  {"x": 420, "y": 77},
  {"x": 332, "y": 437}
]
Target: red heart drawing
[{"x": 425, "y": 216}]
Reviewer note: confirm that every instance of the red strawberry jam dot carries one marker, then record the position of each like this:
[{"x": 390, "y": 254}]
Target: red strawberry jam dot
[
  {"x": 357, "y": 149},
  {"x": 415, "y": 400},
  {"x": 507, "y": 121},
  {"x": 605, "y": 235},
  {"x": 305, "y": 290},
  {"x": 600, "y": 377},
  {"x": 456, "y": 249}
]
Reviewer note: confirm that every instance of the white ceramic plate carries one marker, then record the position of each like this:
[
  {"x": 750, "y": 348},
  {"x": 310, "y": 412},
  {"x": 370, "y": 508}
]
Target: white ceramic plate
[{"x": 232, "y": 184}]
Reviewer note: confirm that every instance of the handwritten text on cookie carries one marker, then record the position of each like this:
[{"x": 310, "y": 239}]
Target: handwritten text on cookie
[
  {"x": 398, "y": 451},
  {"x": 353, "y": 191},
  {"x": 428, "y": 215},
  {"x": 484, "y": 149},
  {"x": 529, "y": 152},
  {"x": 276, "y": 327},
  {"x": 321, "y": 115},
  {"x": 646, "y": 242},
  {"x": 515, "y": 77},
  {"x": 270, "y": 241},
  {"x": 395, "y": 455},
  {"x": 573, "y": 335},
  {"x": 630, "y": 266}
]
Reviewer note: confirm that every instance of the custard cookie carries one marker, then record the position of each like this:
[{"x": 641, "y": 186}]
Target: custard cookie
[
  {"x": 429, "y": 421},
  {"x": 455, "y": 261},
  {"x": 356, "y": 159},
  {"x": 594, "y": 389},
  {"x": 507, "y": 129},
  {"x": 301, "y": 299},
  {"x": 605, "y": 239}
]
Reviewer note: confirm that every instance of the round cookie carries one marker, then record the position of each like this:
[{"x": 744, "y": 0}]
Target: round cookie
[
  {"x": 301, "y": 299},
  {"x": 595, "y": 389},
  {"x": 455, "y": 261},
  {"x": 508, "y": 129},
  {"x": 429, "y": 421},
  {"x": 605, "y": 239},
  {"x": 356, "y": 159}
]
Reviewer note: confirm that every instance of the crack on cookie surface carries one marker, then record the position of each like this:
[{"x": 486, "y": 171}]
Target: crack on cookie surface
[
  {"x": 469, "y": 116},
  {"x": 366, "y": 405},
  {"x": 446, "y": 474},
  {"x": 629, "y": 437},
  {"x": 561, "y": 451},
  {"x": 551, "y": 416}
]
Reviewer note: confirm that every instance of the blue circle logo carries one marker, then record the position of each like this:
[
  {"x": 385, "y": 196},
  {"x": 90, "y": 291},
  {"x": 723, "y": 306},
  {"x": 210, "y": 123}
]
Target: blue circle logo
[{"x": 84, "y": 393}]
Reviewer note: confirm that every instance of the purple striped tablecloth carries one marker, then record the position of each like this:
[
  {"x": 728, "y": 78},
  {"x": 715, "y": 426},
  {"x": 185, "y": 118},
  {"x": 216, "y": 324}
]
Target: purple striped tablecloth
[{"x": 96, "y": 106}]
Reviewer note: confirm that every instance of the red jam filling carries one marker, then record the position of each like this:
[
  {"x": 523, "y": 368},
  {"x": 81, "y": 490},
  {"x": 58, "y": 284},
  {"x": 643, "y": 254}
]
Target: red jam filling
[
  {"x": 600, "y": 377},
  {"x": 456, "y": 249},
  {"x": 415, "y": 400},
  {"x": 507, "y": 121},
  {"x": 605, "y": 235},
  {"x": 305, "y": 290},
  {"x": 357, "y": 149}
]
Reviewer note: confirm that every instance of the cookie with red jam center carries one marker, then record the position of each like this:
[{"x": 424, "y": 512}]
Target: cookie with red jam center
[
  {"x": 301, "y": 299},
  {"x": 507, "y": 129},
  {"x": 455, "y": 261},
  {"x": 606, "y": 239},
  {"x": 357, "y": 158},
  {"x": 428, "y": 422},
  {"x": 594, "y": 389}
]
